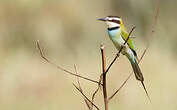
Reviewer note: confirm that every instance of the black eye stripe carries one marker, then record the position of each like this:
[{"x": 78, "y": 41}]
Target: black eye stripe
[{"x": 115, "y": 21}]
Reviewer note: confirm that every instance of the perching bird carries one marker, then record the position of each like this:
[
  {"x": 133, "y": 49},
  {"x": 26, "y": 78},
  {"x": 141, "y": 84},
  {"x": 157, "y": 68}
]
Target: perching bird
[{"x": 118, "y": 35}]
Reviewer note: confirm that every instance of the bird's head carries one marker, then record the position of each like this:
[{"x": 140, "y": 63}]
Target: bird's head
[{"x": 112, "y": 21}]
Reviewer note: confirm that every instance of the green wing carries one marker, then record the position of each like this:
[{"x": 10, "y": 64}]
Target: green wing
[{"x": 130, "y": 42}]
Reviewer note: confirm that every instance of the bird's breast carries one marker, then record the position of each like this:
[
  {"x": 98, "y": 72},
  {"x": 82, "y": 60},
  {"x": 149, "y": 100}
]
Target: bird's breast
[
  {"x": 113, "y": 33},
  {"x": 116, "y": 38}
]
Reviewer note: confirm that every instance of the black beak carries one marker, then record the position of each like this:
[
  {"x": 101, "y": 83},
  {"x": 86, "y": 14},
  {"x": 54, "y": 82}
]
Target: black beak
[{"x": 102, "y": 19}]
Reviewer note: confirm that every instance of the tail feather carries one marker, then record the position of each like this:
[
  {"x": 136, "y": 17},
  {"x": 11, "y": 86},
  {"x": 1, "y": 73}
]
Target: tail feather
[
  {"x": 146, "y": 91},
  {"x": 137, "y": 71},
  {"x": 139, "y": 75}
]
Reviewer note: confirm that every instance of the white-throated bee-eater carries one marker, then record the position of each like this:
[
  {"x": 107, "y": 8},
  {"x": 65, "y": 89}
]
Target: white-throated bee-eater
[{"x": 118, "y": 35}]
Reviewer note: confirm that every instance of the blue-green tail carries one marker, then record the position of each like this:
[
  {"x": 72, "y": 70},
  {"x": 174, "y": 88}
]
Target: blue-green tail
[
  {"x": 138, "y": 73},
  {"x": 136, "y": 69}
]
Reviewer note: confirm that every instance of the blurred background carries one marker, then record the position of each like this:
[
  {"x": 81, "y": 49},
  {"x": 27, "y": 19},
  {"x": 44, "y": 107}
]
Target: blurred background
[{"x": 70, "y": 34}]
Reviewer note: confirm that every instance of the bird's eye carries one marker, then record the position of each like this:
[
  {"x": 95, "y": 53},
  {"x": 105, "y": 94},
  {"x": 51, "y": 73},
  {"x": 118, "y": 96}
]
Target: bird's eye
[
  {"x": 115, "y": 20},
  {"x": 118, "y": 21},
  {"x": 112, "y": 20}
]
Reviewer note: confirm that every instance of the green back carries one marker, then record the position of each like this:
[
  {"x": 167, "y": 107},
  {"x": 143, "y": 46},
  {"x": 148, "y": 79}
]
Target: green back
[{"x": 125, "y": 36}]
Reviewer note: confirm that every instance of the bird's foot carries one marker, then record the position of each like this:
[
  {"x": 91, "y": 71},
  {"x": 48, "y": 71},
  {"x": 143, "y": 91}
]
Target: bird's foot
[{"x": 123, "y": 46}]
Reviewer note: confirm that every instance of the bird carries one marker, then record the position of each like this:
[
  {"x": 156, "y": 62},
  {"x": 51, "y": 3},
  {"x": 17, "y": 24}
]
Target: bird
[{"x": 118, "y": 35}]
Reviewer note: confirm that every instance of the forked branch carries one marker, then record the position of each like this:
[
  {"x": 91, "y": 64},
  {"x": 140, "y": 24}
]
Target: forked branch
[
  {"x": 86, "y": 97},
  {"x": 89, "y": 105}
]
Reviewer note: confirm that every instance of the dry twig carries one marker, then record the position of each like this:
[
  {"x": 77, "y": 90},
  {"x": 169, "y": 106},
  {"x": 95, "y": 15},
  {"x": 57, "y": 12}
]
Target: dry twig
[
  {"x": 152, "y": 31},
  {"x": 78, "y": 81},
  {"x": 104, "y": 77},
  {"x": 61, "y": 68},
  {"x": 86, "y": 97},
  {"x": 97, "y": 89}
]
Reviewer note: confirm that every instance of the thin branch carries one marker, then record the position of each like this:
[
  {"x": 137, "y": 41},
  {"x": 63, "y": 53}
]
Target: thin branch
[
  {"x": 120, "y": 86},
  {"x": 94, "y": 94},
  {"x": 96, "y": 91},
  {"x": 86, "y": 97},
  {"x": 78, "y": 81},
  {"x": 61, "y": 68},
  {"x": 118, "y": 54},
  {"x": 147, "y": 46},
  {"x": 152, "y": 31},
  {"x": 123, "y": 83},
  {"x": 104, "y": 77},
  {"x": 114, "y": 61}
]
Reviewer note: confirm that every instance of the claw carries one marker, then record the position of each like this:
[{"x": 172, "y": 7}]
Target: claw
[{"x": 123, "y": 46}]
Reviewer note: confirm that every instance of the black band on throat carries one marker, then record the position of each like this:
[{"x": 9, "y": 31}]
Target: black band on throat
[{"x": 113, "y": 28}]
